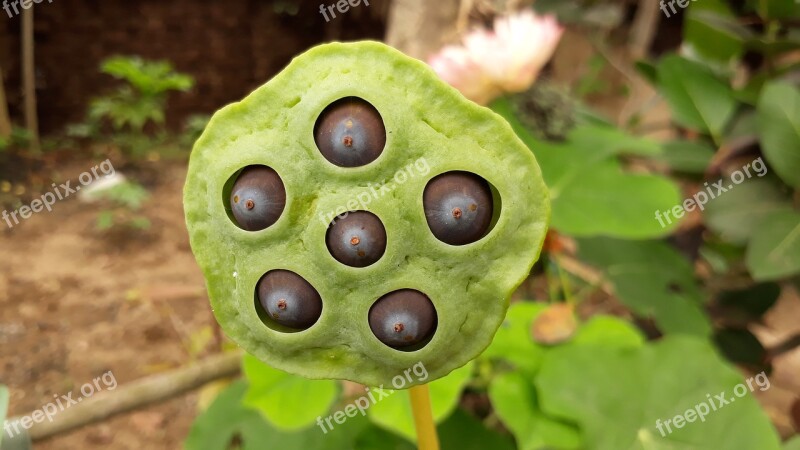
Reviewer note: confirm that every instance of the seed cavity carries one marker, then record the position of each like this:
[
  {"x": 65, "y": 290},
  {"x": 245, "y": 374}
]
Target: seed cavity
[
  {"x": 288, "y": 299},
  {"x": 458, "y": 207},
  {"x": 350, "y": 132},
  {"x": 357, "y": 239},
  {"x": 257, "y": 198},
  {"x": 404, "y": 320}
]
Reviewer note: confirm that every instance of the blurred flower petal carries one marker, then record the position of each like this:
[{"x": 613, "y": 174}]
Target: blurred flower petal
[{"x": 507, "y": 59}]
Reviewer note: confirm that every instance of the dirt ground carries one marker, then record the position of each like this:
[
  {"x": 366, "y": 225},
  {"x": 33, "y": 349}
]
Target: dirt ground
[{"x": 75, "y": 304}]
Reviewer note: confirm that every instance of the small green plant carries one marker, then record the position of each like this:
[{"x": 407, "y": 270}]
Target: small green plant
[
  {"x": 124, "y": 201},
  {"x": 143, "y": 98},
  {"x": 135, "y": 106},
  {"x": 19, "y": 138}
]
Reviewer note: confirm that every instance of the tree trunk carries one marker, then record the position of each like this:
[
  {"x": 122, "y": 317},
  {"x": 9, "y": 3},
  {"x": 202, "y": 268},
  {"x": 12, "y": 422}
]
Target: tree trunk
[
  {"x": 419, "y": 28},
  {"x": 5, "y": 121},
  {"x": 29, "y": 79}
]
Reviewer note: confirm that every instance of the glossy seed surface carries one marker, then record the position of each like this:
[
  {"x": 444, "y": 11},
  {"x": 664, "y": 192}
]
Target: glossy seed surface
[
  {"x": 403, "y": 318},
  {"x": 350, "y": 133},
  {"x": 458, "y": 207},
  {"x": 258, "y": 198},
  {"x": 289, "y": 299}
]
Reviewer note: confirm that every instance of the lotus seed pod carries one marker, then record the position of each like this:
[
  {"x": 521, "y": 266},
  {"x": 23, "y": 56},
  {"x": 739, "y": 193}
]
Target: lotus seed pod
[{"x": 392, "y": 275}]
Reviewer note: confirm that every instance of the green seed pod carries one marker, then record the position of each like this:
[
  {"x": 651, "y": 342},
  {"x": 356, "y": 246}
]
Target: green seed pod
[{"x": 441, "y": 298}]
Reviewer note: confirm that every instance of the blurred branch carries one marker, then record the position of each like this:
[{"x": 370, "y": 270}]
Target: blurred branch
[
  {"x": 143, "y": 392},
  {"x": 783, "y": 347},
  {"x": 419, "y": 28},
  {"x": 588, "y": 274},
  {"x": 5, "y": 120},
  {"x": 644, "y": 27}
]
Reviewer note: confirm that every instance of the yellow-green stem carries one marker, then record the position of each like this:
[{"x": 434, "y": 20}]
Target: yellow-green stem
[{"x": 423, "y": 418}]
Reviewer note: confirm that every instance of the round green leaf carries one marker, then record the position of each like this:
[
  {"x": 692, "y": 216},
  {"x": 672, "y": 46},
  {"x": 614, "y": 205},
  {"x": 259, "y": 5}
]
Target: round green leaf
[
  {"x": 653, "y": 280},
  {"x": 515, "y": 402},
  {"x": 289, "y": 402},
  {"x": 618, "y": 397}
]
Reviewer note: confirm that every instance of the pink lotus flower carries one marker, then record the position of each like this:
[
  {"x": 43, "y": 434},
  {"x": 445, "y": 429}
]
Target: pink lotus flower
[{"x": 507, "y": 59}]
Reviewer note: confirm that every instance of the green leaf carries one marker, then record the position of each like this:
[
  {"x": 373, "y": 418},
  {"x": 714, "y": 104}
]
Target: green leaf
[
  {"x": 647, "y": 70},
  {"x": 590, "y": 193},
  {"x": 394, "y": 412},
  {"x": 608, "y": 331},
  {"x": 104, "y": 221},
  {"x": 288, "y": 401},
  {"x": 222, "y": 421},
  {"x": 619, "y": 397},
  {"x": 606, "y": 201},
  {"x": 128, "y": 194},
  {"x": 777, "y": 9},
  {"x": 752, "y": 302},
  {"x": 741, "y": 347},
  {"x": 463, "y": 432},
  {"x": 460, "y": 431},
  {"x": 227, "y": 421},
  {"x": 686, "y": 156},
  {"x": 513, "y": 341},
  {"x": 516, "y": 403},
  {"x": 779, "y": 129},
  {"x": 149, "y": 77},
  {"x": 699, "y": 100},
  {"x": 774, "y": 252},
  {"x": 607, "y": 141},
  {"x": 711, "y": 30},
  {"x": 375, "y": 438},
  {"x": 651, "y": 279},
  {"x": 792, "y": 444},
  {"x": 513, "y": 395},
  {"x": 739, "y": 214}
]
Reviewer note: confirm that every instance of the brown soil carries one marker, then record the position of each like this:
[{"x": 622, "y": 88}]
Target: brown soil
[{"x": 75, "y": 303}]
